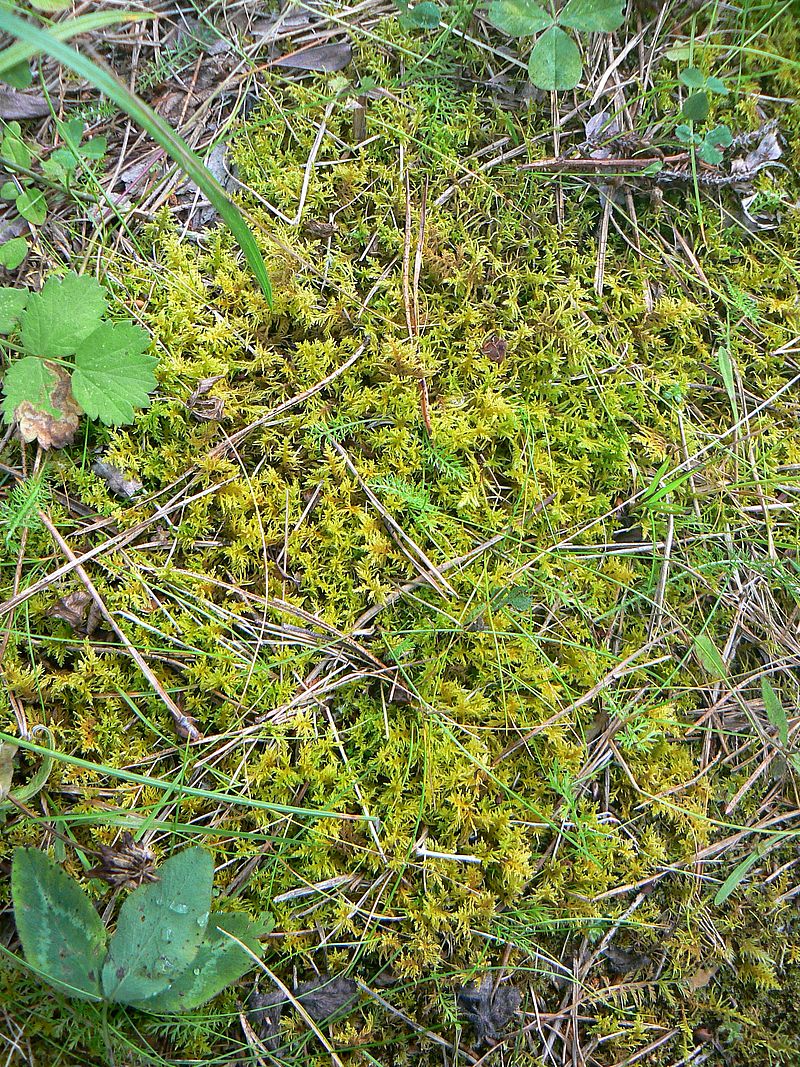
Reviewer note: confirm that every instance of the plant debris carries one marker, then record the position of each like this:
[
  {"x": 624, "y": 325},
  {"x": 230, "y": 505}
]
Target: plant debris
[
  {"x": 488, "y": 1010},
  {"x": 125, "y": 864},
  {"x": 321, "y": 998},
  {"x": 115, "y": 480}
]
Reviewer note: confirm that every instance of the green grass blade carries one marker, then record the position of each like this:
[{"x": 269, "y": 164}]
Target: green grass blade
[
  {"x": 20, "y": 51},
  {"x": 162, "y": 133}
]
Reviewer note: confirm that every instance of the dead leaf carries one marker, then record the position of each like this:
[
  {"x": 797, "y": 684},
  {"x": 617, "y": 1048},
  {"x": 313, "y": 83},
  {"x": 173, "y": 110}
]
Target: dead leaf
[
  {"x": 14, "y": 105},
  {"x": 50, "y": 431},
  {"x": 322, "y": 998},
  {"x": 325, "y": 58},
  {"x": 495, "y": 348},
  {"x": 487, "y": 1010},
  {"x": 125, "y": 864},
  {"x": 116, "y": 481},
  {"x": 71, "y": 609},
  {"x": 623, "y": 961},
  {"x": 700, "y": 979},
  {"x": 206, "y": 408}
]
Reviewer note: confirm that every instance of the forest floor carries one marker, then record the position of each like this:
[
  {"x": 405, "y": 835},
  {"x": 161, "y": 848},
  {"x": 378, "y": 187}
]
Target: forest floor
[{"x": 476, "y": 551}]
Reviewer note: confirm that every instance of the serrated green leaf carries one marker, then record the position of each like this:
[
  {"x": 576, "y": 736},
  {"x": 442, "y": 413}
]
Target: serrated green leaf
[
  {"x": 62, "y": 935},
  {"x": 12, "y": 303},
  {"x": 775, "y": 711},
  {"x": 555, "y": 62},
  {"x": 31, "y": 204},
  {"x": 709, "y": 656},
  {"x": 692, "y": 78},
  {"x": 12, "y": 254},
  {"x": 59, "y": 318},
  {"x": 518, "y": 18},
  {"x": 592, "y": 16},
  {"x": 113, "y": 375},
  {"x": 160, "y": 929},
  {"x": 219, "y": 962},
  {"x": 28, "y": 379},
  {"x": 696, "y": 107}
]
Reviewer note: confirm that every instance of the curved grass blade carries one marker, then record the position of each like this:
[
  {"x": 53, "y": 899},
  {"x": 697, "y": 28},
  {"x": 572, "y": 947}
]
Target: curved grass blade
[
  {"x": 21, "y": 52},
  {"x": 162, "y": 133}
]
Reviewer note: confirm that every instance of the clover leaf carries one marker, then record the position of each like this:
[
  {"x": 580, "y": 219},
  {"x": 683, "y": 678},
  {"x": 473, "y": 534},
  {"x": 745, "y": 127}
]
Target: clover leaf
[{"x": 555, "y": 62}]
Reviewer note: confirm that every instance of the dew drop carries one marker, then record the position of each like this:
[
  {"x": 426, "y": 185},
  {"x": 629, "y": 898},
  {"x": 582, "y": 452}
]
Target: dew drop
[
  {"x": 202, "y": 919},
  {"x": 166, "y": 933},
  {"x": 179, "y": 909},
  {"x": 196, "y": 970}
]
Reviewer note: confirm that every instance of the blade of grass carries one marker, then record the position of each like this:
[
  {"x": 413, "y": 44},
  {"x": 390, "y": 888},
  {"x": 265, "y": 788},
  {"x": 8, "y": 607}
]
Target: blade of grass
[
  {"x": 19, "y": 52},
  {"x": 106, "y": 82},
  {"x": 185, "y": 790}
]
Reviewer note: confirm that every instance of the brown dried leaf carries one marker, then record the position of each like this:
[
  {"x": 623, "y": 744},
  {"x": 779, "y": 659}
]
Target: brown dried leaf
[
  {"x": 488, "y": 1010},
  {"x": 72, "y": 608},
  {"x": 116, "y": 481},
  {"x": 125, "y": 864},
  {"x": 7, "y": 753},
  {"x": 322, "y": 57},
  {"x": 14, "y": 105},
  {"x": 50, "y": 431}
]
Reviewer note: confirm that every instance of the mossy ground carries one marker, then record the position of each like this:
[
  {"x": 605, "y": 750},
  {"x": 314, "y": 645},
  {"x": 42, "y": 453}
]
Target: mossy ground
[{"x": 580, "y": 817}]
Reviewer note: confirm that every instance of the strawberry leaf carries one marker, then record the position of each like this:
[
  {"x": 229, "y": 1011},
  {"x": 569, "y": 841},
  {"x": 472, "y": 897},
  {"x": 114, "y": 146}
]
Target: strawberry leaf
[
  {"x": 28, "y": 379},
  {"x": 59, "y": 318},
  {"x": 12, "y": 302},
  {"x": 113, "y": 375}
]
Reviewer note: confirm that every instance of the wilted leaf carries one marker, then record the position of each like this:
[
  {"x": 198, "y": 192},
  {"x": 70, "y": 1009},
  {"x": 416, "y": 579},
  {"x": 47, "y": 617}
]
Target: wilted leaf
[
  {"x": 518, "y": 18},
  {"x": 39, "y": 399},
  {"x": 592, "y": 16},
  {"x": 555, "y": 62},
  {"x": 125, "y": 864},
  {"x": 116, "y": 481},
  {"x": 7, "y": 753},
  {"x": 487, "y": 1010},
  {"x": 71, "y": 609},
  {"x": 325, "y": 58}
]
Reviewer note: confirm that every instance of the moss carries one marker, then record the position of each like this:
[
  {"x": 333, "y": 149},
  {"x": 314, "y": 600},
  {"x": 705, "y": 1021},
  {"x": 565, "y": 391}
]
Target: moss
[{"x": 591, "y": 395}]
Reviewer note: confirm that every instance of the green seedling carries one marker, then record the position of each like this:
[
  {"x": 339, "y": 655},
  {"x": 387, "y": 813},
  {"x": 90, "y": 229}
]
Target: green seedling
[
  {"x": 711, "y": 146},
  {"x": 555, "y": 62},
  {"x": 169, "y": 952},
  {"x": 59, "y": 169},
  {"x": 701, "y": 88},
  {"x": 73, "y": 361}
]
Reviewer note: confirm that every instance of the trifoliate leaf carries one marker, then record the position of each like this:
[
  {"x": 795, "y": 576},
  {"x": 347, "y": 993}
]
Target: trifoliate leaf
[
  {"x": 592, "y": 16},
  {"x": 61, "y": 933},
  {"x": 113, "y": 375},
  {"x": 692, "y": 78},
  {"x": 555, "y": 62},
  {"x": 32, "y": 205},
  {"x": 716, "y": 85},
  {"x": 12, "y": 301},
  {"x": 62, "y": 315},
  {"x": 39, "y": 399},
  {"x": 685, "y": 134},
  {"x": 696, "y": 107},
  {"x": 13, "y": 252},
  {"x": 518, "y": 18}
]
